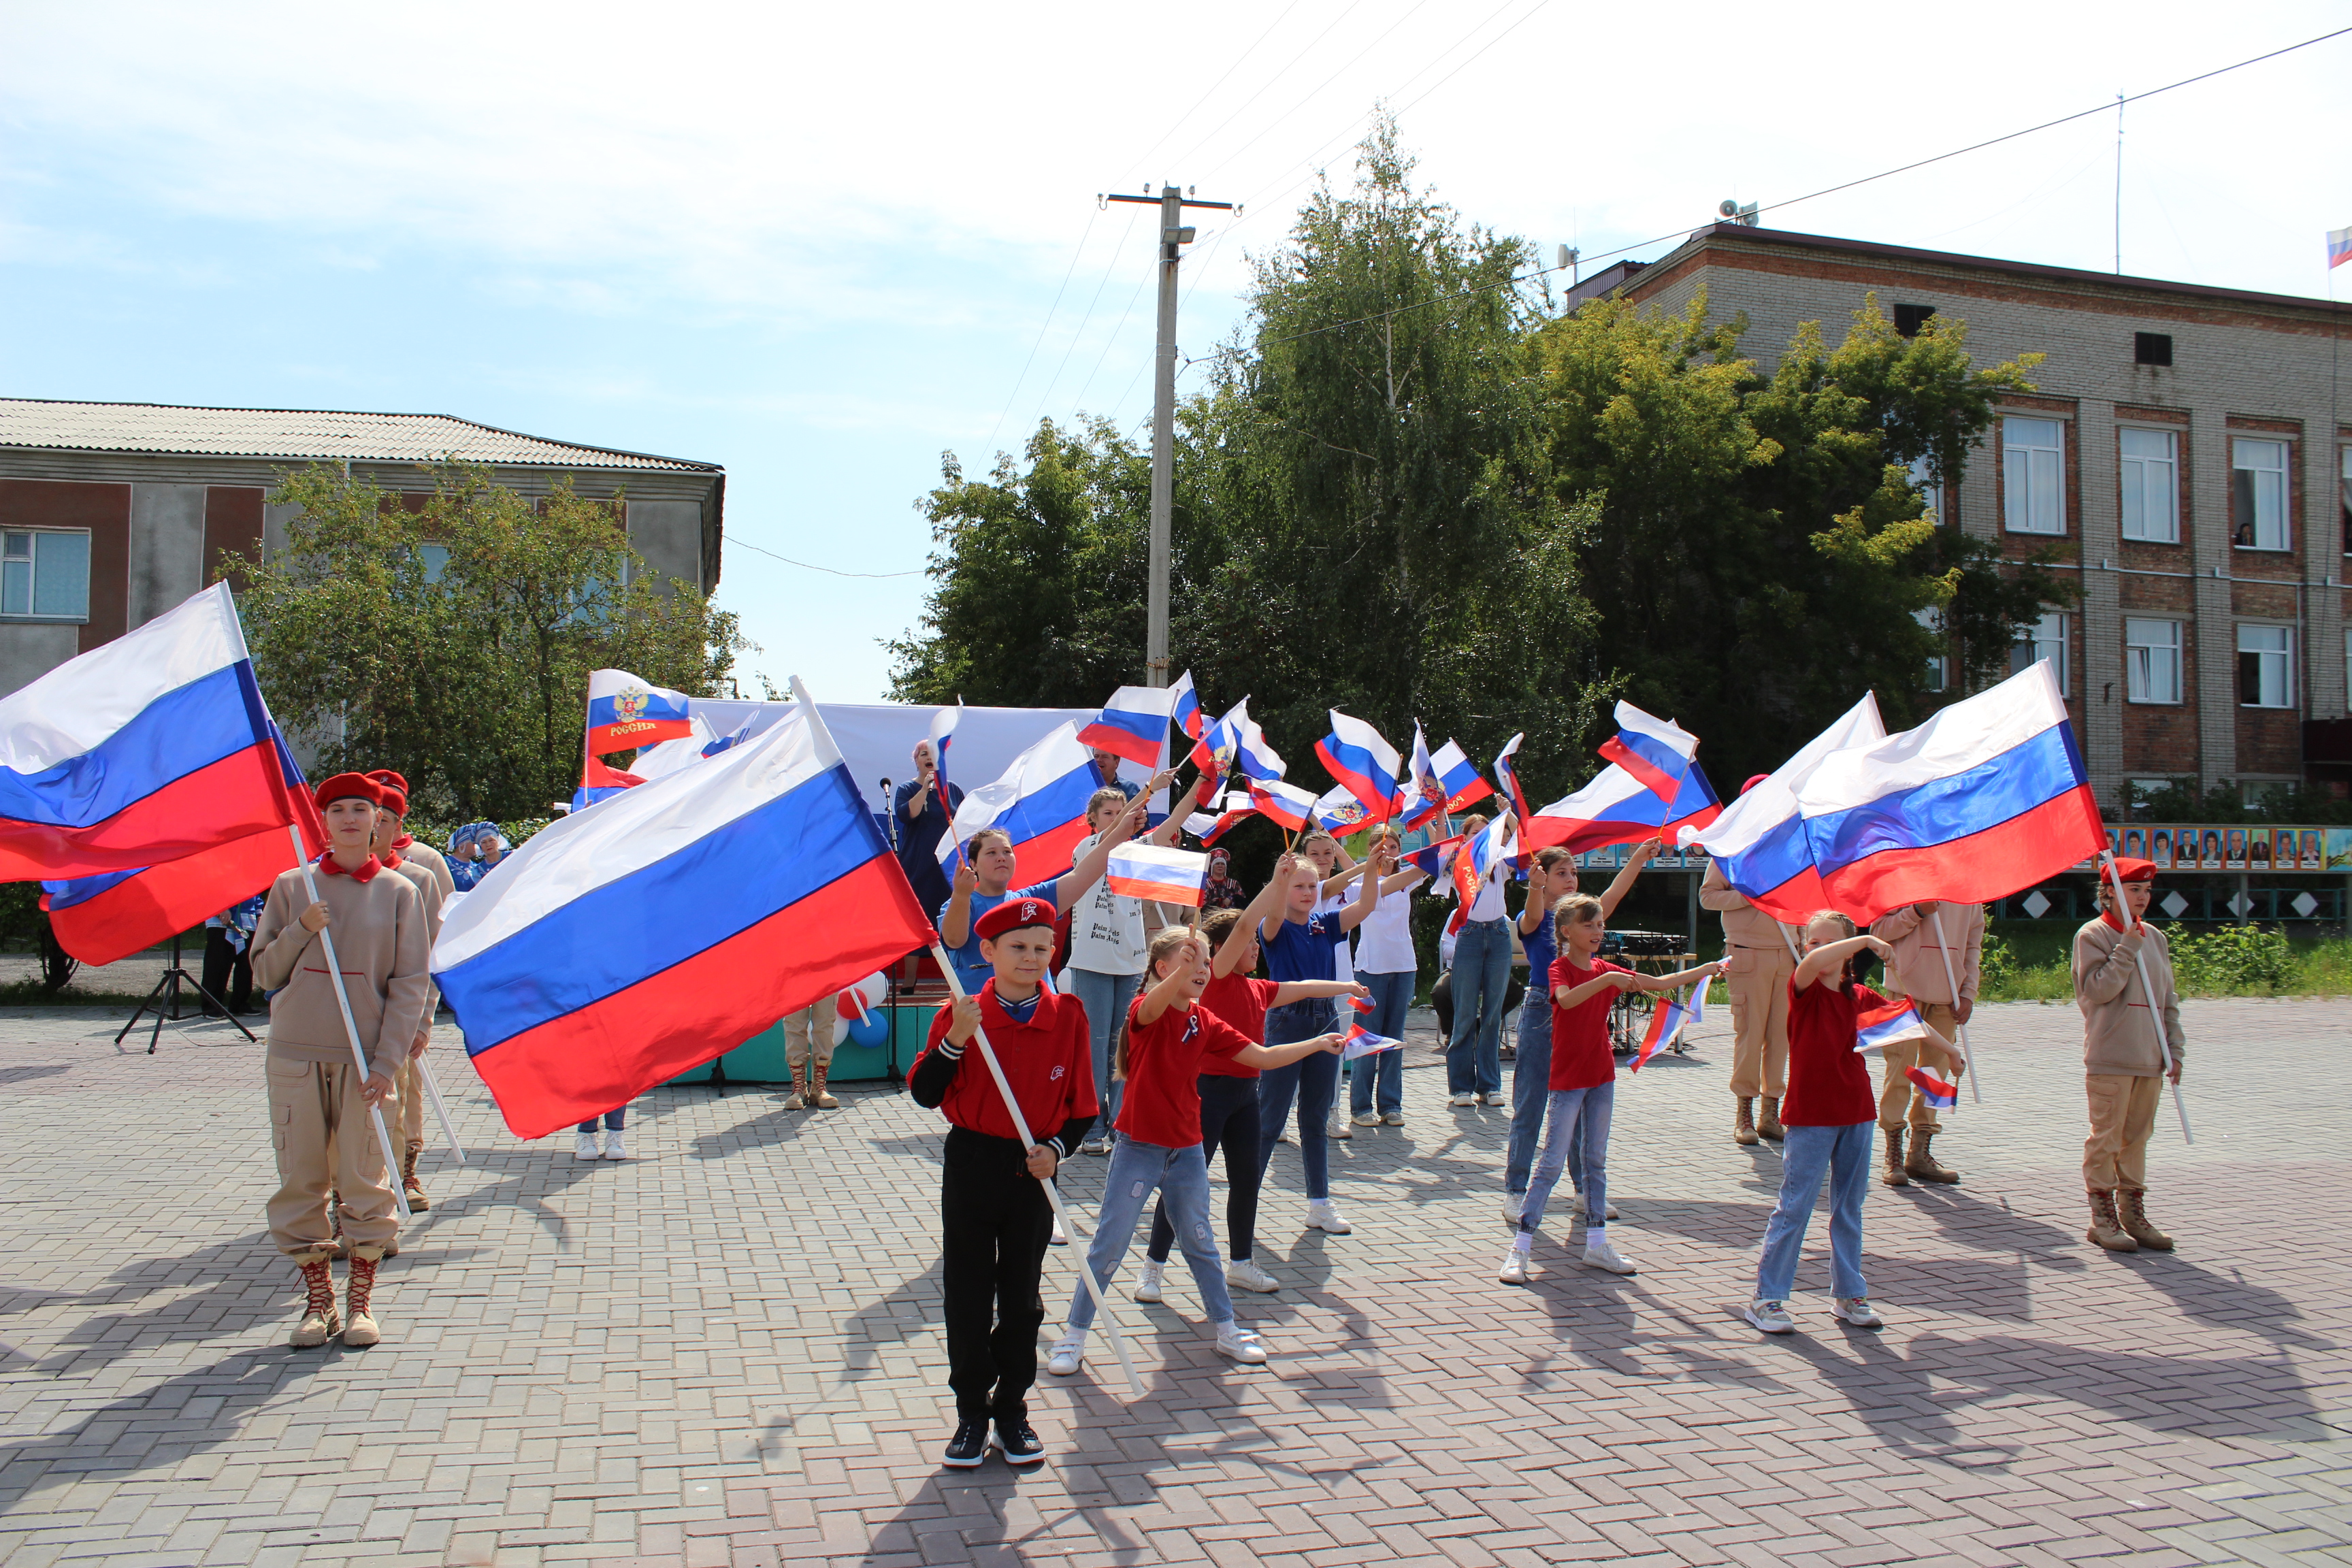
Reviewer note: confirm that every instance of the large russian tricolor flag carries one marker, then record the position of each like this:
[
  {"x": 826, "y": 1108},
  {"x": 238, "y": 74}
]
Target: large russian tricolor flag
[
  {"x": 1618, "y": 808},
  {"x": 1134, "y": 724},
  {"x": 625, "y": 712},
  {"x": 1362, "y": 762},
  {"x": 145, "y": 751},
  {"x": 1988, "y": 797},
  {"x": 1658, "y": 752},
  {"x": 618, "y": 948},
  {"x": 1040, "y": 801},
  {"x": 1759, "y": 843}
]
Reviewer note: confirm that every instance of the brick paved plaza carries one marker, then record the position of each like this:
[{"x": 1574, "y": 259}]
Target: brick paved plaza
[{"x": 725, "y": 1352}]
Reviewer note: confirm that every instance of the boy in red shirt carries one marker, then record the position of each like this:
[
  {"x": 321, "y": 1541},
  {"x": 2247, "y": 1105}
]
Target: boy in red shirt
[
  {"x": 1169, "y": 1038},
  {"x": 993, "y": 1214},
  {"x": 1830, "y": 1112},
  {"x": 1228, "y": 1089},
  {"x": 1583, "y": 1085}
]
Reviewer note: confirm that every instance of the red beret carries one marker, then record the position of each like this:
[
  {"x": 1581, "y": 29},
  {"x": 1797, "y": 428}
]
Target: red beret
[
  {"x": 1752, "y": 783},
  {"x": 392, "y": 797},
  {"x": 347, "y": 787},
  {"x": 2134, "y": 870},
  {"x": 1015, "y": 913},
  {"x": 387, "y": 776}
]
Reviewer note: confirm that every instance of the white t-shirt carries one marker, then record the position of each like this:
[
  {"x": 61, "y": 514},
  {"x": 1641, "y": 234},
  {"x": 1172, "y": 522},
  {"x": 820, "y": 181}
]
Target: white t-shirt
[
  {"x": 1384, "y": 942},
  {"x": 1106, "y": 928},
  {"x": 1343, "y": 960}
]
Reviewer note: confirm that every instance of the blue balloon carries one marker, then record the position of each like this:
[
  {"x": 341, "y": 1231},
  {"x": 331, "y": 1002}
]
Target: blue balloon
[{"x": 871, "y": 1030}]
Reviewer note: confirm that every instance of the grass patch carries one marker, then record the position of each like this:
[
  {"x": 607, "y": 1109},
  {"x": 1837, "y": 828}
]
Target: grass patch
[{"x": 2030, "y": 961}]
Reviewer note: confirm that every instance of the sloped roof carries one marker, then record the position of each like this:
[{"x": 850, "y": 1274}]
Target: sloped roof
[{"x": 301, "y": 434}]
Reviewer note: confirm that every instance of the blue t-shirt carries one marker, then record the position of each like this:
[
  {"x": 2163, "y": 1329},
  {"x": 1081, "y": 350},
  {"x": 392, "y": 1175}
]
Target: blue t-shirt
[
  {"x": 1304, "y": 950},
  {"x": 1542, "y": 946},
  {"x": 970, "y": 968}
]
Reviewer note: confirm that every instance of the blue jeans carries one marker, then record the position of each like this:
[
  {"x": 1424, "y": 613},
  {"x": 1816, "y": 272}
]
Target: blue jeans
[
  {"x": 1843, "y": 1153},
  {"x": 1383, "y": 1075},
  {"x": 1181, "y": 1177},
  {"x": 1313, "y": 1081},
  {"x": 1481, "y": 977},
  {"x": 1570, "y": 1107},
  {"x": 614, "y": 1119},
  {"x": 1531, "y": 1093},
  {"x": 1104, "y": 998}
]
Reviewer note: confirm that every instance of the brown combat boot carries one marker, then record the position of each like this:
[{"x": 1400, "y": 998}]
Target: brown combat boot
[
  {"x": 1768, "y": 1124},
  {"x": 1743, "y": 1132},
  {"x": 410, "y": 1185},
  {"x": 2106, "y": 1227},
  {"x": 2131, "y": 1208},
  {"x": 1892, "y": 1173},
  {"x": 798, "y": 1099},
  {"x": 318, "y": 1322},
  {"x": 817, "y": 1095},
  {"x": 1923, "y": 1165},
  {"x": 360, "y": 1329}
]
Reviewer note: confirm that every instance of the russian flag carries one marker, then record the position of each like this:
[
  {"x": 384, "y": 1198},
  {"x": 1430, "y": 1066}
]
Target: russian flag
[
  {"x": 1420, "y": 795},
  {"x": 102, "y": 919},
  {"x": 1208, "y": 829},
  {"x": 1759, "y": 840},
  {"x": 1365, "y": 764},
  {"x": 942, "y": 736},
  {"x": 1658, "y": 752},
  {"x": 1988, "y": 797},
  {"x": 1338, "y": 811},
  {"x": 1149, "y": 871},
  {"x": 1133, "y": 724},
  {"x": 1361, "y": 1003},
  {"x": 627, "y": 945},
  {"x": 1359, "y": 1041},
  {"x": 1040, "y": 801},
  {"x": 150, "y": 748},
  {"x": 1506, "y": 770},
  {"x": 1430, "y": 859},
  {"x": 2339, "y": 247},
  {"x": 1876, "y": 1028},
  {"x": 1943, "y": 1096},
  {"x": 1479, "y": 857},
  {"x": 1459, "y": 778},
  {"x": 599, "y": 781},
  {"x": 1618, "y": 808},
  {"x": 1667, "y": 1019},
  {"x": 1184, "y": 706},
  {"x": 1287, "y": 805},
  {"x": 1236, "y": 744},
  {"x": 624, "y": 711}
]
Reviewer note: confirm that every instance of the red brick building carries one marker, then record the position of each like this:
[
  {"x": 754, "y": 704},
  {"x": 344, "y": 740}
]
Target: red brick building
[
  {"x": 111, "y": 513},
  {"x": 2187, "y": 451}
]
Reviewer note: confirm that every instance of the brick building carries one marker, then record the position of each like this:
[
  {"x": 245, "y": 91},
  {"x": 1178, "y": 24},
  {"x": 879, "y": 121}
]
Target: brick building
[
  {"x": 2187, "y": 450},
  {"x": 111, "y": 513}
]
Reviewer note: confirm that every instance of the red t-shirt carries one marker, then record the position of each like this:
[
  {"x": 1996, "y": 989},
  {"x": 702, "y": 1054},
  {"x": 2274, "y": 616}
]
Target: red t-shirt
[
  {"x": 1241, "y": 1001},
  {"x": 1580, "y": 1034},
  {"x": 1829, "y": 1086},
  {"x": 1162, "y": 1104},
  {"x": 1049, "y": 1061}
]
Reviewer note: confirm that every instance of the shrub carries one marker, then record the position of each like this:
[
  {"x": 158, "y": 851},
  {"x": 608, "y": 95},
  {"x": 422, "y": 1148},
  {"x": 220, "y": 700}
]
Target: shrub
[{"x": 2233, "y": 960}]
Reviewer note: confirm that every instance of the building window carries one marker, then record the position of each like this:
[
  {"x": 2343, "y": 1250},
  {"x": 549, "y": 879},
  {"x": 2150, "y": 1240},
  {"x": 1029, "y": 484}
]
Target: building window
[
  {"x": 2344, "y": 489},
  {"x": 2033, "y": 475},
  {"x": 2152, "y": 485},
  {"x": 2265, "y": 667},
  {"x": 45, "y": 575},
  {"x": 2151, "y": 348},
  {"x": 2258, "y": 494},
  {"x": 1909, "y": 319},
  {"x": 434, "y": 558},
  {"x": 2264, "y": 792},
  {"x": 2152, "y": 661},
  {"x": 2045, "y": 639},
  {"x": 1923, "y": 479},
  {"x": 1939, "y": 665}
]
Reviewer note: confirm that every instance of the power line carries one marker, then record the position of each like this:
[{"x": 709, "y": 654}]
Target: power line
[
  {"x": 1517, "y": 278},
  {"x": 1042, "y": 327},
  {"x": 1270, "y": 26},
  {"x": 812, "y": 566},
  {"x": 1309, "y": 97},
  {"x": 1278, "y": 76}
]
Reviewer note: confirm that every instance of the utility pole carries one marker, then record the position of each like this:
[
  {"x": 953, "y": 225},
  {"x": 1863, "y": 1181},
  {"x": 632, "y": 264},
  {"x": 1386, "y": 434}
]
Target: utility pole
[{"x": 1174, "y": 237}]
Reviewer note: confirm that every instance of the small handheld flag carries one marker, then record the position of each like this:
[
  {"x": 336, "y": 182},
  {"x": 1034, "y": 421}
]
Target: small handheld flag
[
  {"x": 1133, "y": 724},
  {"x": 1668, "y": 1021},
  {"x": 1184, "y": 706},
  {"x": 624, "y": 712},
  {"x": 1932, "y": 1088},
  {"x": 1880, "y": 1027},
  {"x": 1430, "y": 859},
  {"x": 1360, "y": 1003},
  {"x": 1149, "y": 871},
  {"x": 1363, "y": 1042},
  {"x": 1287, "y": 805},
  {"x": 1657, "y": 751},
  {"x": 1365, "y": 763}
]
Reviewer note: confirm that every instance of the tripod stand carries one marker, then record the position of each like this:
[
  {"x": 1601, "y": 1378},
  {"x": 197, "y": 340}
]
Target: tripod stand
[{"x": 167, "y": 993}]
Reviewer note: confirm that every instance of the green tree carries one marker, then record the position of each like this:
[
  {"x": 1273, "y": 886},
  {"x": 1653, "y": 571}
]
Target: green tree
[{"x": 451, "y": 635}]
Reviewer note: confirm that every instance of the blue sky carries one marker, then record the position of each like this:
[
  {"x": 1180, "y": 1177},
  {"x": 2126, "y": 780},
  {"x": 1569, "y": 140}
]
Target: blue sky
[{"x": 820, "y": 246}]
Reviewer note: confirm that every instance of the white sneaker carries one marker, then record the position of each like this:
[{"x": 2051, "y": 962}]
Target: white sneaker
[
  {"x": 1323, "y": 1215},
  {"x": 1391, "y": 1118},
  {"x": 1368, "y": 1118},
  {"x": 1067, "y": 1352},
  {"x": 1514, "y": 1271},
  {"x": 1237, "y": 1343},
  {"x": 616, "y": 1145},
  {"x": 1147, "y": 1281},
  {"x": 1601, "y": 1255},
  {"x": 1494, "y": 1097},
  {"x": 1857, "y": 1311},
  {"x": 1246, "y": 1273},
  {"x": 583, "y": 1147},
  {"x": 1094, "y": 1146},
  {"x": 1575, "y": 1207},
  {"x": 1058, "y": 1239},
  {"x": 1339, "y": 1127},
  {"x": 1462, "y": 1099},
  {"x": 1770, "y": 1316}
]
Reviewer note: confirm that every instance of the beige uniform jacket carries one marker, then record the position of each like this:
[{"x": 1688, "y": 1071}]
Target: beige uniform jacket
[
  {"x": 1744, "y": 925},
  {"x": 2118, "y": 1029},
  {"x": 380, "y": 939},
  {"x": 1917, "y": 966}
]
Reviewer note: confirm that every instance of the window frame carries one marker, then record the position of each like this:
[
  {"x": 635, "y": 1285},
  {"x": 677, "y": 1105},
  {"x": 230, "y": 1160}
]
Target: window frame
[
  {"x": 2125, "y": 463},
  {"x": 2033, "y": 642},
  {"x": 2285, "y": 472},
  {"x": 2135, "y": 689},
  {"x": 31, "y": 560},
  {"x": 2283, "y": 654},
  {"x": 1939, "y": 665},
  {"x": 2013, "y": 486}
]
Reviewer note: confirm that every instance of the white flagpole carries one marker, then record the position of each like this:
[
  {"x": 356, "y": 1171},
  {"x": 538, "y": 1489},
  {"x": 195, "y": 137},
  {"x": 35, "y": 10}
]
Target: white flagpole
[
  {"x": 2154, "y": 1012},
  {"x": 350, "y": 1028},
  {"x": 433, "y": 1092},
  {"x": 1951, "y": 981},
  {"x": 1053, "y": 1194}
]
